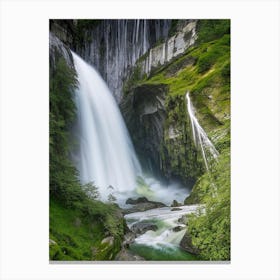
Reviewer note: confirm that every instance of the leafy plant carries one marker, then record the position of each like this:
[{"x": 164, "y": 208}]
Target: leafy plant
[{"x": 212, "y": 29}]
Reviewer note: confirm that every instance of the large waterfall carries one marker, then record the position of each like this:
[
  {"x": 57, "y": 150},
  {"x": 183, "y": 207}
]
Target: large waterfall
[{"x": 105, "y": 153}]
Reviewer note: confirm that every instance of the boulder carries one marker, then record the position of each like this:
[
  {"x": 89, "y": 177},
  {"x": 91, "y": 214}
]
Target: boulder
[
  {"x": 176, "y": 209},
  {"x": 142, "y": 227},
  {"x": 183, "y": 219},
  {"x": 175, "y": 203},
  {"x": 125, "y": 255},
  {"x": 109, "y": 240},
  {"x": 141, "y": 204},
  {"x": 137, "y": 200},
  {"x": 178, "y": 228},
  {"x": 128, "y": 239},
  {"x": 186, "y": 244}
]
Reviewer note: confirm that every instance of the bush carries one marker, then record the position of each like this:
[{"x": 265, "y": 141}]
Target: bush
[
  {"x": 212, "y": 29},
  {"x": 226, "y": 72},
  {"x": 207, "y": 60},
  {"x": 210, "y": 229}
]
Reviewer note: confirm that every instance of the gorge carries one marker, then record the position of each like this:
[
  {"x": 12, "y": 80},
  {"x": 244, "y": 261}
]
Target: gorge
[{"x": 170, "y": 79}]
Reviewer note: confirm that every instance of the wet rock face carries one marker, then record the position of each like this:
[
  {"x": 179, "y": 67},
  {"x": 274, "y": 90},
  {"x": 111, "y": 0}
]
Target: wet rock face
[
  {"x": 145, "y": 114},
  {"x": 184, "y": 38},
  {"x": 115, "y": 45},
  {"x": 58, "y": 49},
  {"x": 64, "y": 30}
]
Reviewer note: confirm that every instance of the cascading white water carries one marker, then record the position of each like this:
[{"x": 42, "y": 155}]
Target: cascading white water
[
  {"x": 199, "y": 135},
  {"x": 166, "y": 220},
  {"x": 105, "y": 155}
]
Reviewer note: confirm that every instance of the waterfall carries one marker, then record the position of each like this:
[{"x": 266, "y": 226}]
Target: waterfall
[
  {"x": 105, "y": 154},
  {"x": 199, "y": 135}
]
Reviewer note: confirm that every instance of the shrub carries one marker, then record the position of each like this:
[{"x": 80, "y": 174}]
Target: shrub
[{"x": 212, "y": 29}]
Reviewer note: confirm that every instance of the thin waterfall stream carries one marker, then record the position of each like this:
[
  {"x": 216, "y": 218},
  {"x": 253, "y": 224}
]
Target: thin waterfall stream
[{"x": 200, "y": 137}]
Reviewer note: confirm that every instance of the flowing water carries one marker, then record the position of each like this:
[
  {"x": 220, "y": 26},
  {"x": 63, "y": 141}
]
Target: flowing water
[
  {"x": 105, "y": 155},
  {"x": 164, "y": 243},
  {"x": 200, "y": 137}
]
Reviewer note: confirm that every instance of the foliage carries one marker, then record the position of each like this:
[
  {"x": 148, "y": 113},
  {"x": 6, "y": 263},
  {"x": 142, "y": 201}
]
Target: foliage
[
  {"x": 63, "y": 176},
  {"x": 91, "y": 191},
  {"x": 212, "y": 29},
  {"x": 207, "y": 60},
  {"x": 210, "y": 228},
  {"x": 78, "y": 236}
]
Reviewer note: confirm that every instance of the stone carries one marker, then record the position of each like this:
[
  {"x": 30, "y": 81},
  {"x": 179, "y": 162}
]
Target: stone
[
  {"x": 176, "y": 209},
  {"x": 183, "y": 219},
  {"x": 178, "y": 228},
  {"x": 175, "y": 203},
  {"x": 186, "y": 244},
  {"x": 52, "y": 242},
  {"x": 137, "y": 200},
  {"x": 109, "y": 240},
  {"x": 141, "y": 204},
  {"x": 142, "y": 227},
  {"x": 125, "y": 255},
  {"x": 128, "y": 239}
]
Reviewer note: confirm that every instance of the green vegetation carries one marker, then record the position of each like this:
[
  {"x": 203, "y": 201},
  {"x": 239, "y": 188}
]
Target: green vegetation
[
  {"x": 78, "y": 232},
  {"x": 210, "y": 230},
  {"x": 212, "y": 29},
  {"x": 78, "y": 221},
  {"x": 64, "y": 184}
]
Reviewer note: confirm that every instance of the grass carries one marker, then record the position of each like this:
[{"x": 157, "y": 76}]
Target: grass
[
  {"x": 79, "y": 237},
  {"x": 75, "y": 237}
]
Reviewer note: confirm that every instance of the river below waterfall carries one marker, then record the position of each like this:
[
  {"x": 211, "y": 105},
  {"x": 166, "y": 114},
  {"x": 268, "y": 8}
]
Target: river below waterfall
[{"x": 162, "y": 242}]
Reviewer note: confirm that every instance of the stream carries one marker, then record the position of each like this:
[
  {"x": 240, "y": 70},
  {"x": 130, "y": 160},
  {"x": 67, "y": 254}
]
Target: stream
[{"x": 164, "y": 242}]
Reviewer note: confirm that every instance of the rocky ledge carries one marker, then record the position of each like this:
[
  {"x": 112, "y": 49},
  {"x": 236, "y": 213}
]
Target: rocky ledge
[{"x": 141, "y": 204}]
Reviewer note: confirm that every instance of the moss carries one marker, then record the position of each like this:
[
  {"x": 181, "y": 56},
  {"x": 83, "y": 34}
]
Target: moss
[
  {"x": 82, "y": 241},
  {"x": 212, "y": 29},
  {"x": 210, "y": 229}
]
